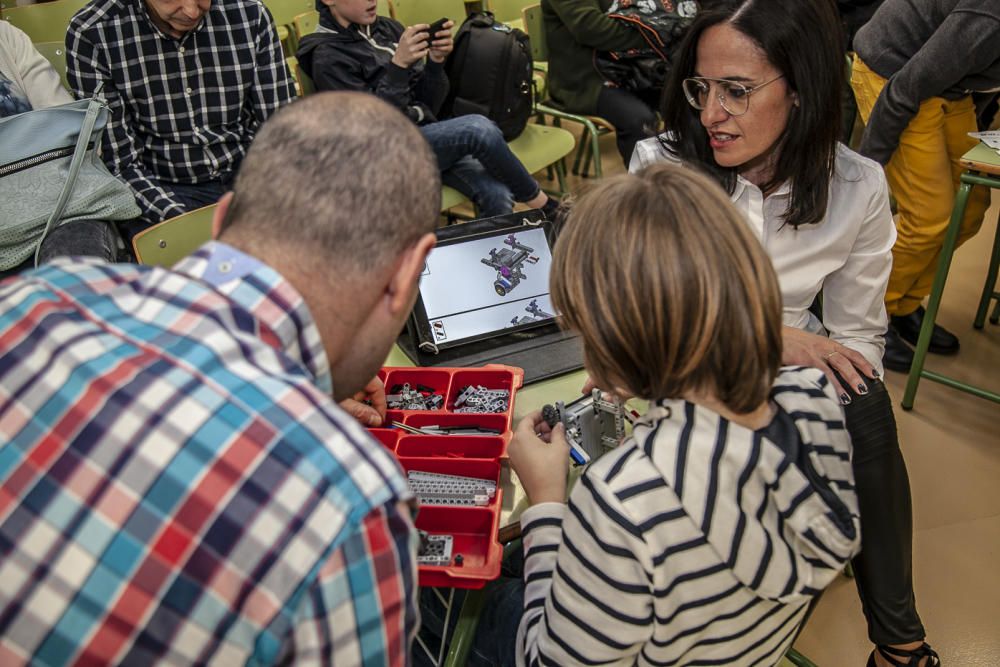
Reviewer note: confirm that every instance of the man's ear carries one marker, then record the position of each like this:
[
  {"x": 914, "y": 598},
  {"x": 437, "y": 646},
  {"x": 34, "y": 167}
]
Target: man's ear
[
  {"x": 220, "y": 214},
  {"x": 408, "y": 269}
]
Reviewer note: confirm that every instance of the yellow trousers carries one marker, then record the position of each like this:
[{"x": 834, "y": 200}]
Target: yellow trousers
[{"x": 923, "y": 177}]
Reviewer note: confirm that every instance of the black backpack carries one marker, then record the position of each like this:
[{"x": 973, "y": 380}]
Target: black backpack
[{"x": 490, "y": 73}]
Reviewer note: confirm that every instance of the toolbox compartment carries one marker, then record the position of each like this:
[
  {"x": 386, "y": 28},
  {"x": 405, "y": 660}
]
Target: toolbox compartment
[{"x": 473, "y": 528}]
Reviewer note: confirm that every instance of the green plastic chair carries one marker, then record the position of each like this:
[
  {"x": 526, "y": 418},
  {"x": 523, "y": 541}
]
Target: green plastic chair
[
  {"x": 593, "y": 126},
  {"x": 174, "y": 239},
  {"x": 55, "y": 53},
  {"x": 412, "y": 12},
  {"x": 46, "y": 22},
  {"x": 982, "y": 166},
  {"x": 284, "y": 12},
  {"x": 305, "y": 24}
]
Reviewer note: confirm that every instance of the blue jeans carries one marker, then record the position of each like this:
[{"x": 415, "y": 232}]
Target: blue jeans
[
  {"x": 475, "y": 160},
  {"x": 80, "y": 238}
]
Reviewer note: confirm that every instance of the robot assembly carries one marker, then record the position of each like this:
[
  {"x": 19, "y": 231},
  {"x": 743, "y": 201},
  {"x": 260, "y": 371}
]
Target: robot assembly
[{"x": 508, "y": 262}]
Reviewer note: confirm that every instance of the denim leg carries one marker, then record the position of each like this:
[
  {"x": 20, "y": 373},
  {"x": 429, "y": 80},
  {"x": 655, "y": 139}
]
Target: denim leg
[
  {"x": 92, "y": 238},
  {"x": 479, "y": 137},
  {"x": 196, "y": 195},
  {"x": 632, "y": 116},
  {"x": 495, "y": 644},
  {"x": 490, "y": 196}
]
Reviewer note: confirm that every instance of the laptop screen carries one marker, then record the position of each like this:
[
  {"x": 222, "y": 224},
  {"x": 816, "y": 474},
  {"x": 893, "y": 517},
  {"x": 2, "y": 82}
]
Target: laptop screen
[{"x": 487, "y": 284}]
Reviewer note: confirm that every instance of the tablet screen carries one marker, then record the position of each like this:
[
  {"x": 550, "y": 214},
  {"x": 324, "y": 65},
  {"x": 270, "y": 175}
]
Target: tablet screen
[{"x": 487, "y": 284}]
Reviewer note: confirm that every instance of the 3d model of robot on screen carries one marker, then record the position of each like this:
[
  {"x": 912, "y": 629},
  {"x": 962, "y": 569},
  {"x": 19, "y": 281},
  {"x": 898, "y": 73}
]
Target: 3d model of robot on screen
[{"x": 508, "y": 263}]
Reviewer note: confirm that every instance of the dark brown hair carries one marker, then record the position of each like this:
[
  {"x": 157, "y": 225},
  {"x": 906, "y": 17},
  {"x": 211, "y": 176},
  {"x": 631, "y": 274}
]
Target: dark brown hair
[
  {"x": 803, "y": 40},
  {"x": 669, "y": 290}
]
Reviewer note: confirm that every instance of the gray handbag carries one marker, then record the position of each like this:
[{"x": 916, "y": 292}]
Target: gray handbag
[{"x": 51, "y": 173}]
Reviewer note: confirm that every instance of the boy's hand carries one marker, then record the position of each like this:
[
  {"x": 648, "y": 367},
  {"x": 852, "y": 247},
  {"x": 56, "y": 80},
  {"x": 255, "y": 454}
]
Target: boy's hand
[
  {"x": 414, "y": 44},
  {"x": 540, "y": 457},
  {"x": 442, "y": 43}
]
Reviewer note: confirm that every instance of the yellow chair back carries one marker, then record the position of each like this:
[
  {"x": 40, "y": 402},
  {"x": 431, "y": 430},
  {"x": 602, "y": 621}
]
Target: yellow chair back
[
  {"x": 46, "y": 22},
  {"x": 172, "y": 240},
  {"x": 55, "y": 53}
]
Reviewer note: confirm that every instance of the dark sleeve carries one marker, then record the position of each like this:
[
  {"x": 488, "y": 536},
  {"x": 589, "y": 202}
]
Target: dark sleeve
[
  {"x": 332, "y": 69},
  {"x": 591, "y": 27},
  {"x": 432, "y": 89},
  {"x": 931, "y": 71}
]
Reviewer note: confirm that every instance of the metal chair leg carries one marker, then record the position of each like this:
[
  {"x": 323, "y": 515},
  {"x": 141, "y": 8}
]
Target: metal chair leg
[
  {"x": 989, "y": 289},
  {"x": 465, "y": 630},
  {"x": 940, "y": 278},
  {"x": 798, "y": 659}
]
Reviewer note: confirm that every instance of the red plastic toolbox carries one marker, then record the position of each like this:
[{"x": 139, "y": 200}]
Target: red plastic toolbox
[{"x": 473, "y": 529}]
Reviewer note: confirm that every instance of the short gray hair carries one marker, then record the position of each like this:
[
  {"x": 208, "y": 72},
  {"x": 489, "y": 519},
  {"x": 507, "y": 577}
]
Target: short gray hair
[{"x": 341, "y": 174}]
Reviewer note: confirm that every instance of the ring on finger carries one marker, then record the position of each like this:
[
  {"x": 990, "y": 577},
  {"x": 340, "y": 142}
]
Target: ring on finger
[{"x": 830, "y": 354}]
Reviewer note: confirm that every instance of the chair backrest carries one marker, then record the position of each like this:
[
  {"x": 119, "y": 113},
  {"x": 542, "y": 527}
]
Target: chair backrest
[
  {"x": 172, "y": 240},
  {"x": 285, "y": 11},
  {"x": 535, "y": 28},
  {"x": 412, "y": 12},
  {"x": 46, "y": 22},
  {"x": 506, "y": 10},
  {"x": 305, "y": 24},
  {"x": 383, "y": 8},
  {"x": 55, "y": 53}
]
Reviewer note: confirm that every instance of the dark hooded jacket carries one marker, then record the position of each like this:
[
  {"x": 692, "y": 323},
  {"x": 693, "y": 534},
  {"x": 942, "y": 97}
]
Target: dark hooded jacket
[{"x": 359, "y": 58}]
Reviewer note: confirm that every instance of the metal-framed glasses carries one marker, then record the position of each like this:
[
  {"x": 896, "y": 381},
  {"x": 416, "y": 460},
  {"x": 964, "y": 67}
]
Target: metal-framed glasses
[{"x": 732, "y": 95}]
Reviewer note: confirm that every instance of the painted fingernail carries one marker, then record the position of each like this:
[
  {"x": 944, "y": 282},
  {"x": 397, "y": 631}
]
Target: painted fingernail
[
  {"x": 862, "y": 388},
  {"x": 875, "y": 373},
  {"x": 845, "y": 399}
]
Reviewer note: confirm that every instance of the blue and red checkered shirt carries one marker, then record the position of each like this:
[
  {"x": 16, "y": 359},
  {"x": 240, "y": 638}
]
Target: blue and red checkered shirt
[{"x": 177, "y": 484}]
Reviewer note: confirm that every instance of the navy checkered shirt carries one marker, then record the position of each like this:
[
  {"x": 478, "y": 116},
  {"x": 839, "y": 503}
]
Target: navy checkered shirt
[{"x": 182, "y": 110}]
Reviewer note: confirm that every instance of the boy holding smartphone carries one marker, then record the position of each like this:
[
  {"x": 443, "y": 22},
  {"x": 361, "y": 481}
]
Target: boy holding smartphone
[{"x": 355, "y": 49}]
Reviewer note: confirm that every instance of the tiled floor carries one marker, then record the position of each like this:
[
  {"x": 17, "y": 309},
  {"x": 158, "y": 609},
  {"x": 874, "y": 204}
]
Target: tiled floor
[{"x": 951, "y": 442}]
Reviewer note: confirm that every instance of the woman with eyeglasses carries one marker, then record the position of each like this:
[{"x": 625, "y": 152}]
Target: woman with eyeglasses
[{"x": 754, "y": 101}]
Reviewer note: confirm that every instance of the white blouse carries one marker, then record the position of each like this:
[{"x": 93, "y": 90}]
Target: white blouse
[{"x": 848, "y": 255}]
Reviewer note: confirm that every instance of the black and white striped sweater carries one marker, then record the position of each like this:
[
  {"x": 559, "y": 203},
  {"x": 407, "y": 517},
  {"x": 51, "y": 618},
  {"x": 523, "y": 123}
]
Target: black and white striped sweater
[{"x": 698, "y": 541}]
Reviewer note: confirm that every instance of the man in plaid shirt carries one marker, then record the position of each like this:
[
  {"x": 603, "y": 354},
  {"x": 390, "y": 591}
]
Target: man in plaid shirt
[
  {"x": 177, "y": 483},
  {"x": 188, "y": 83}
]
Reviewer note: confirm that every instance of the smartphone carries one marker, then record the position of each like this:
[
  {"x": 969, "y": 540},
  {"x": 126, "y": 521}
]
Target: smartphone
[{"x": 437, "y": 27}]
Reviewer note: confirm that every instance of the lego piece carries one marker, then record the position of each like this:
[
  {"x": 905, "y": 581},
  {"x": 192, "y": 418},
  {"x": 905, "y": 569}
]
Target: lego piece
[
  {"x": 593, "y": 424},
  {"x": 434, "y": 549}
]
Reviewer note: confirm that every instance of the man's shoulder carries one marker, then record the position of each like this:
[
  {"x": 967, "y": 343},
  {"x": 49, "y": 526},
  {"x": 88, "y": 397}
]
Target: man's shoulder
[
  {"x": 242, "y": 11},
  {"x": 98, "y": 12}
]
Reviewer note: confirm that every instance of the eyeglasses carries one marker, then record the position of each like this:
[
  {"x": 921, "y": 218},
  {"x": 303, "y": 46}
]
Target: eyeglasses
[{"x": 732, "y": 95}]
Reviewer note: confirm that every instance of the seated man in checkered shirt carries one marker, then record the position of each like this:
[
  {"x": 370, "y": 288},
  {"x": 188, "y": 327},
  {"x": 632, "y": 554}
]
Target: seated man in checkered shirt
[
  {"x": 188, "y": 82},
  {"x": 177, "y": 484}
]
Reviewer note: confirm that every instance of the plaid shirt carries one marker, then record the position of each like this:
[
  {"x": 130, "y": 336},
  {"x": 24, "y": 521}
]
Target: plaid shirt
[
  {"x": 176, "y": 484},
  {"x": 182, "y": 111}
]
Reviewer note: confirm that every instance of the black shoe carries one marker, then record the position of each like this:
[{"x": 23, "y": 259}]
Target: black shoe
[
  {"x": 550, "y": 209},
  {"x": 908, "y": 326},
  {"x": 896, "y": 656},
  {"x": 898, "y": 355}
]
